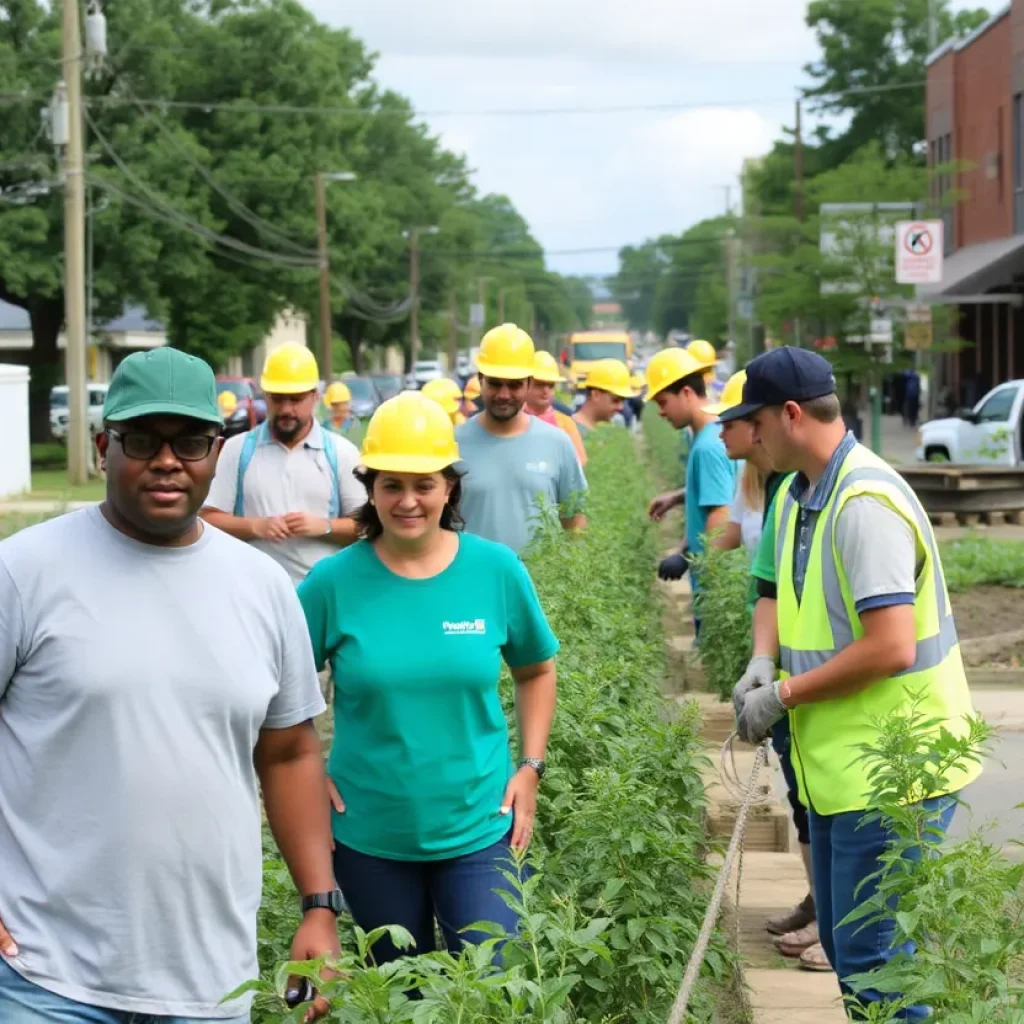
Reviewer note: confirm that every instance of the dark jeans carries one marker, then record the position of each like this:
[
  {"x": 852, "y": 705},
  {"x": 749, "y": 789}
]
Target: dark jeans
[
  {"x": 457, "y": 892},
  {"x": 782, "y": 743},
  {"x": 843, "y": 854}
]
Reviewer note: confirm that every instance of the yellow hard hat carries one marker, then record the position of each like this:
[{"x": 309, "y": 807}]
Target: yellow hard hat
[
  {"x": 732, "y": 394},
  {"x": 506, "y": 353},
  {"x": 336, "y": 393},
  {"x": 410, "y": 433},
  {"x": 612, "y": 376},
  {"x": 290, "y": 370},
  {"x": 545, "y": 369},
  {"x": 704, "y": 352},
  {"x": 472, "y": 391},
  {"x": 638, "y": 381},
  {"x": 445, "y": 392},
  {"x": 668, "y": 366},
  {"x": 228, "y": 403}
]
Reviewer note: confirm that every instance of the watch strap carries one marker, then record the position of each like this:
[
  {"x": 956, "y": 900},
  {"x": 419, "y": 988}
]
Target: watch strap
[
  {"x": 333, "y": 901},
  {"x": 536, "y": 763}
]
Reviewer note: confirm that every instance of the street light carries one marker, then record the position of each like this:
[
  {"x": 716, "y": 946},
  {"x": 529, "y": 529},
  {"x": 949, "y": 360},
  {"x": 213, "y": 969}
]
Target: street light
[
  {"x": 326, "y": 354},
  {"x": 413, "y": 234}
]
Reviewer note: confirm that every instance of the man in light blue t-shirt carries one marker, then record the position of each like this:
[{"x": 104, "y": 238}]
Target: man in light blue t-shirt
[{"x": 515, "y": 465}]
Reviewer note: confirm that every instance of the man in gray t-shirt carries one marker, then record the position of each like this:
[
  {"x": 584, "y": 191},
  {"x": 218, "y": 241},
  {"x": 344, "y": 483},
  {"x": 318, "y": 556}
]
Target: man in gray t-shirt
[
  {"x": 515, "y": 465},
  {"x": 155, "y": 674}
]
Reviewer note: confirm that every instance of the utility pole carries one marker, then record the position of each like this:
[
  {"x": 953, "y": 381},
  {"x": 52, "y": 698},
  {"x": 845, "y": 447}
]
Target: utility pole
[
  {"x": 413, "y": 234},
  {"x": 414, "y": 291},
  {"x": 933, "y": 27},
  {"x": 730, "y": 282},
  {"x": 501, "y": 305},
  {"x": 326, "y": 357},
  {"x": 798, "y": 192},
  {"x": 74, "y": 255},
  {"x": 326, "y": 334},
  {"x": 453, "y": 335}
]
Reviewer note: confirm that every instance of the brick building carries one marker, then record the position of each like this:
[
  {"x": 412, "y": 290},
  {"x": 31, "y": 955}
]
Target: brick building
[{"x": 975, "y": 122}]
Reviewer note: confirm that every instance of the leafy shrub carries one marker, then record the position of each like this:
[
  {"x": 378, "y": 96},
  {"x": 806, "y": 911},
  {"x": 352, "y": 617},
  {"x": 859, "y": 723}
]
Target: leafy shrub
[
  {"x": 667, "y": 447},
  {"x": 962, "y": 903},
  {"x": 723, "y": 607},
  {"x": 612, "y": 912},
  {"x": 976, "y": 561}
]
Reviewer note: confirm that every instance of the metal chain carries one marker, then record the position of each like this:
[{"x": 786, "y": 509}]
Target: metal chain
[{"x": 682, "y": 1001}]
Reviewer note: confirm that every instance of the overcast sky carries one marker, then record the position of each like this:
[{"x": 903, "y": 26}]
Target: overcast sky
[{"x": 730, "y": 69}]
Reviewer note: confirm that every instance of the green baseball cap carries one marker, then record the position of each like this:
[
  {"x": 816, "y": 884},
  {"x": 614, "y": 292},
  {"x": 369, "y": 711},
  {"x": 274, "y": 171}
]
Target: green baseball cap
[{"x": 162, "y": 382}]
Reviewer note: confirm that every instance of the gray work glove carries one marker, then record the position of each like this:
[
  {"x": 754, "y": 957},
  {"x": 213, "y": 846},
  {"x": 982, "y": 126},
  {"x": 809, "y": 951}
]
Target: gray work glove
[
  {"x": 761, "y": 710},
  {"x": 760, "y": 672}
]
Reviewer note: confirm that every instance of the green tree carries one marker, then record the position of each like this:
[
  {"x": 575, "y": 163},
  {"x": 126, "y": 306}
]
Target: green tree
[{"x": 872, "y": 66}]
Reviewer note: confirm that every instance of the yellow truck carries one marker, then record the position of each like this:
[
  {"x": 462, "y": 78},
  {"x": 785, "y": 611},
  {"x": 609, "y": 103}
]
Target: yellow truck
[{"x": 586, "y": 347}]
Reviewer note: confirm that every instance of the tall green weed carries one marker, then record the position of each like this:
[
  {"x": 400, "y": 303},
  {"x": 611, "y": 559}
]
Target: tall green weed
[{"x": 961, "y": 903}]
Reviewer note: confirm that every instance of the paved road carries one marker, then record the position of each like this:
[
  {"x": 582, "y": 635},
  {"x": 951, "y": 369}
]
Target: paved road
[{"x": 994, "y": 797}]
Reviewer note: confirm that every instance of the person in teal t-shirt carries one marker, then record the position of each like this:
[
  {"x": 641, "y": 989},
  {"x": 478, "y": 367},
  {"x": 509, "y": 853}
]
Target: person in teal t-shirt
[
  {"x": 415, "y": 621},
  {"x": 710, "y": 475}
]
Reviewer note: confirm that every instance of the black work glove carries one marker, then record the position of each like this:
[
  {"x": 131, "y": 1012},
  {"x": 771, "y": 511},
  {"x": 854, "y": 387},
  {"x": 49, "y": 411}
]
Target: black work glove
[{"x": 674, "y": 567}]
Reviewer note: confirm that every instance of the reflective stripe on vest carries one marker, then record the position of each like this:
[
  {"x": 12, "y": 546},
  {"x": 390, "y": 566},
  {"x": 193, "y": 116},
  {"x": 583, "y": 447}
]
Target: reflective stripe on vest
[
  {"x": 261, "y": 435},
  {"x": 931, "y": 650}
]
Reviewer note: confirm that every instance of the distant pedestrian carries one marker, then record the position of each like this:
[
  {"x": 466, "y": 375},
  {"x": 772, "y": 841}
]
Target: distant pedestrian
[
  {"x": 911, "y": 396},
  {"x": 608, "y": 387}
]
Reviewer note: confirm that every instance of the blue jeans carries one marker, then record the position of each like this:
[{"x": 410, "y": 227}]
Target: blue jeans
[
  {"x": 22, "y": 1002},
  {"x": 782, "y": 743},
  {"x": 457, "y": 892},
  {"x": 842, "y": 856}
]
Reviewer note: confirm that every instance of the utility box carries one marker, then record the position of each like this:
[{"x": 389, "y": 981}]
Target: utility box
[{"x": 15, "y": 454}]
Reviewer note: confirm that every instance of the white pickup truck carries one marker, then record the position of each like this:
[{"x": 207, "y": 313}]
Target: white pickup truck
[{"x": 987, "y": 435}]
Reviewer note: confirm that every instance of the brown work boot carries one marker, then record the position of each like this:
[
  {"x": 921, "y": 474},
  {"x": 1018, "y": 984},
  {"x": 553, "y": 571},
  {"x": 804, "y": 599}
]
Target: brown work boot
[{"x": 799, "y": 917}]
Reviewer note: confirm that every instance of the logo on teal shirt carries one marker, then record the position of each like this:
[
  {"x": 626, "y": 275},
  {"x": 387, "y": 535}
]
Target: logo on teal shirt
[{"x": 470, "y": 627}]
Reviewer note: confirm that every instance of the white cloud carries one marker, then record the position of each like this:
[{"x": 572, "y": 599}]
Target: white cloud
[{"x": 724, "y": 74}]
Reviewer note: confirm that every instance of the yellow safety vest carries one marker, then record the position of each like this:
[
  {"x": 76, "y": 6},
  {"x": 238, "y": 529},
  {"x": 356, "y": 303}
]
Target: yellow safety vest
[{"x": 827, "y": 735}]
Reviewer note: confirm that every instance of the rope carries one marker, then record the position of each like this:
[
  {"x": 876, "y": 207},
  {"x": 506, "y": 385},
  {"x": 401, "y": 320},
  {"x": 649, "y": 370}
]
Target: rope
[{"x": 679, "y": 1007}]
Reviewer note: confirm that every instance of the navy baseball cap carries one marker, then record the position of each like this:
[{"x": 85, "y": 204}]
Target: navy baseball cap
[{"x": 783, "y": 375}]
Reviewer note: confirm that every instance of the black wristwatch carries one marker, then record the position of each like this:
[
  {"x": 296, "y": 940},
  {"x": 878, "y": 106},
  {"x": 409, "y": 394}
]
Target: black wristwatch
[
  {"x": 536, "y": 763},
  {"x": 332, "y": 901}
]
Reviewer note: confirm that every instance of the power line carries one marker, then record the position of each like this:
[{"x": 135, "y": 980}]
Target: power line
[
  {"x": 236, "y": 205},
  {"x": 184, "y": 219}
]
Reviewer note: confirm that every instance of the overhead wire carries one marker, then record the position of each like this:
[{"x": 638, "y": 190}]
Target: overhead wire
[
  {"x": 247, "y": 214},
  {"x": 184, "y": 219}
]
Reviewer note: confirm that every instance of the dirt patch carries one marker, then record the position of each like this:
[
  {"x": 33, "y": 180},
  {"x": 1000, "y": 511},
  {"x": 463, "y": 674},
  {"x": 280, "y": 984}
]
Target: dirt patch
[
  {"x": 984, "y": 611},
  {"x": 990, "y": 623}
]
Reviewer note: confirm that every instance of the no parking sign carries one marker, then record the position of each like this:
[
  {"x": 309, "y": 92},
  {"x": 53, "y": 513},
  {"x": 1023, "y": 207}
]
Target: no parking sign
[{"x": 919, "y": 252}]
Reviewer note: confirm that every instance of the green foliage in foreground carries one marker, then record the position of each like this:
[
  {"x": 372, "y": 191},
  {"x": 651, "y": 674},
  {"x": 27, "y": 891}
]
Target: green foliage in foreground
[
  {"x": 961, "y": 903},
  {"x": 724, "y": 609},
  {"x": 610, "y": 917},
  {"x": 666, "y": 447},
  {"x": 976, "y": 561}
]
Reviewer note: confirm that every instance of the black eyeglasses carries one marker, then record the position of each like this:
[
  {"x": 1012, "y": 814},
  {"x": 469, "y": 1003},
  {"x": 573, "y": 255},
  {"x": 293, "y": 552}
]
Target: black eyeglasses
[{"x": 139, "y": 444}]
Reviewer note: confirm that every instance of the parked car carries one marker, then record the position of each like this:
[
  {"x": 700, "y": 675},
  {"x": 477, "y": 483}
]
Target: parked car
[
  {"x": 426, "y": 369},
  {"x": 388, "y": 384},
  {"x": 365, "y": 396},
  {"x": 252, "y": 404},
  {"x": 987, "y": 435},
  {"x": 60, "y": 413}
]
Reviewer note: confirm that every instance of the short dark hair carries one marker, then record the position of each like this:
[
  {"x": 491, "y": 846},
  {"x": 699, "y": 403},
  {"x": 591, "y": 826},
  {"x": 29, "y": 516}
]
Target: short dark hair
[
  {"x": 368, "y": 524},
  {"x": 825, "y": 409},
  {"x": 695, "y": 382}
]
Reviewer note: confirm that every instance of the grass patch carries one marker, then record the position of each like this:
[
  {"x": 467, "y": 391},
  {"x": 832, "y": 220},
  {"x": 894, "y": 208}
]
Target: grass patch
[
  {"x": 12, "y": 522},
  {"x": 667, "y": 447},
  {"x": 52, "y": 485},
  {"x": 978, "y": 561}
]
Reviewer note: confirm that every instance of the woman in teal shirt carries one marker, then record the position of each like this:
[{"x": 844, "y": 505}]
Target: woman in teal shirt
[{"x": 415, "y": 620}]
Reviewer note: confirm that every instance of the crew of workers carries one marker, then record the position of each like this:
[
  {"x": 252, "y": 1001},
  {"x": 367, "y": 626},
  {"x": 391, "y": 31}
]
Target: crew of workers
[
  {"x": 396, "y": 566},
  {"x": 852, "y": 625}
]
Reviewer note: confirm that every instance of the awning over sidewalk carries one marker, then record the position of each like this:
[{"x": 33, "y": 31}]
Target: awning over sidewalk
[{"x": 972, "y": 272}]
